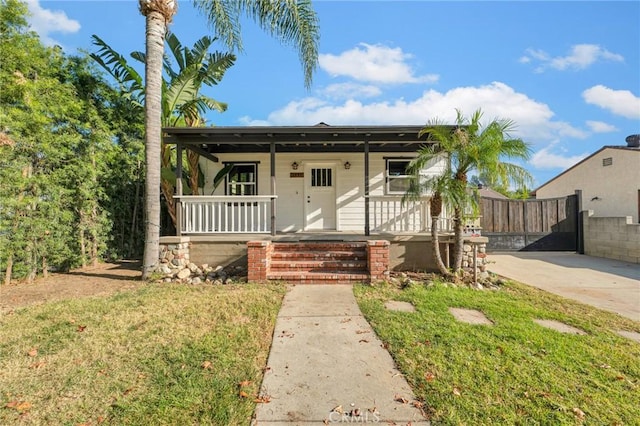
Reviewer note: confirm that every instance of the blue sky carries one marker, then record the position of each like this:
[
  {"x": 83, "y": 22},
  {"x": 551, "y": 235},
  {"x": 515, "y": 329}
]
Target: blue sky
[{"x": 567, "y": 72}]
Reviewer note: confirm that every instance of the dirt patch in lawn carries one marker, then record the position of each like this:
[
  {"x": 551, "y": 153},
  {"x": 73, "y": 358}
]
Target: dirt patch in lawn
[{"x": 105, "y": 279}]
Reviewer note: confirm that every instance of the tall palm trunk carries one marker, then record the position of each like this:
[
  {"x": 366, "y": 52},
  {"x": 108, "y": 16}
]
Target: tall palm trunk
[
  {"x": 158, "y": 13},
  {"x": 458, "y": 247},
  {"x": 435, "y": 205}
]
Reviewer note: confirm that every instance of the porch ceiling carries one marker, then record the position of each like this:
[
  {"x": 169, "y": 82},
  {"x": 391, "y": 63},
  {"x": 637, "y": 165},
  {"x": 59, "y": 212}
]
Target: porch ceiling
[{"x": 319, "y": 138}]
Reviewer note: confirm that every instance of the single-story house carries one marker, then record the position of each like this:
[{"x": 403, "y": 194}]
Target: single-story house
[
  {"x": 609, "y": 180},
  {"x": 304, "y": 184}
]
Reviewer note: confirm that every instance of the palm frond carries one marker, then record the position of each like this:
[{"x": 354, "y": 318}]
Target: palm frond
[{"x": 116, "y": 65}]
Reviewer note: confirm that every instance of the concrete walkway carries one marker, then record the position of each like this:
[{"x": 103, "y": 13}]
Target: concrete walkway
[
  {"x": 604, "y": 283},
  {"x": 326, "y": 362}
]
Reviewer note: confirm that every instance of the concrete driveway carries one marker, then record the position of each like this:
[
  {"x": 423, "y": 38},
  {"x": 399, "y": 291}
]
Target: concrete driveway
[{"x": 604, "y": 283}]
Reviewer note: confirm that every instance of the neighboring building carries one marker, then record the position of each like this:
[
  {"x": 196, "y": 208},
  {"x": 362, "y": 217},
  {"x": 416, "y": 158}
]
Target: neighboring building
[
  {"x": 609, "y": 180},
  {"x": 485, "y": 192}
]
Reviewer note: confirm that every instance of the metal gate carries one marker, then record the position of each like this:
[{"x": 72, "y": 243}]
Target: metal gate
[{"x": 530, "y": 225}]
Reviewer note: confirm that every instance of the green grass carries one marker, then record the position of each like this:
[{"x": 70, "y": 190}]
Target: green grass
[
  {"x": 163, "y": 354},
  {"x": 514, "y": 372}
]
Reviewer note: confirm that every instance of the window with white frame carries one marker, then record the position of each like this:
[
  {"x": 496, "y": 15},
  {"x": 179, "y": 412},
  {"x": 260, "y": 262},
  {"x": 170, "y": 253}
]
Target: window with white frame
[
  {"x": 397, "y": 175},
  {"x": 242, "y": 179}
]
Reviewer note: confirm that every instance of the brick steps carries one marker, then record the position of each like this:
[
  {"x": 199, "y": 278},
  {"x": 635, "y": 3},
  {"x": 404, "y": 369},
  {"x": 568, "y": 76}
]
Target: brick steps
[
  {"x": 330, "y": 262},
  {"x": 319, "y": 263}
]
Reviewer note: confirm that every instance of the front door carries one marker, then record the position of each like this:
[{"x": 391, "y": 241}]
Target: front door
[{"x": 320, "y": 196}]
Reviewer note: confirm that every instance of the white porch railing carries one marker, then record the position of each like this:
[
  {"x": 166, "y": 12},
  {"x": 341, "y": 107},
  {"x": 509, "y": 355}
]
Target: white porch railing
[
  {"x": 389, "y": 214},
  {"x": 224, "y": 214}
]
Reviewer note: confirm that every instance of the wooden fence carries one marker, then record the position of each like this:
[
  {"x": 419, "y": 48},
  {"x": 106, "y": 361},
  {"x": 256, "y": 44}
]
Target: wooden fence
[{"x": 536, "y": 225}]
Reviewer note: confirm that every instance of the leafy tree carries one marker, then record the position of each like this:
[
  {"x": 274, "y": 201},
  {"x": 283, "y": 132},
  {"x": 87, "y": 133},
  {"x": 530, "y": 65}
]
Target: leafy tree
[
  {"x": 182, "y": 102},
  {"x": 59, "y": 146},
  {"x": 289, "y": 21},
  {"x": 468, "y": 147}
]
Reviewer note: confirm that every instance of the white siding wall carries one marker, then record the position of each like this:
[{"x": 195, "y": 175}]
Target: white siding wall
[
  {"x": 616, "y": 186},
  {"x": 290, "y": 191}
]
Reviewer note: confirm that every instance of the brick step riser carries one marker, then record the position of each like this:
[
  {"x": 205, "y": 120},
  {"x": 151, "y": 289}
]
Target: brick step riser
[
  {"x": 329, "y": 278},
  {"x": 319, "y": 256},
  {"x": 318, "y": 247},
  {"x": 318, "y": 282},
  {"x": 307, "y": 268}
]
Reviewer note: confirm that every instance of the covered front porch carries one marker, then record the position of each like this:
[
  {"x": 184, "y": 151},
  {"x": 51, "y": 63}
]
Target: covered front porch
[{"x": 302, "y": 179}]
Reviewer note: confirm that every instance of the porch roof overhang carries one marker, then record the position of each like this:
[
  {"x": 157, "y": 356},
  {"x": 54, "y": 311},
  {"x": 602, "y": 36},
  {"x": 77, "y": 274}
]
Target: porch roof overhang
[{"x": 318, "y": 138}]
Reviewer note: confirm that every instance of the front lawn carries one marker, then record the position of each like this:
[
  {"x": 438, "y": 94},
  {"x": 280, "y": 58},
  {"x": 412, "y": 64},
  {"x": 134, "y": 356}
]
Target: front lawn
[
  {"x": 515, "y": 371},
  {"x": 163, "y": 354}
]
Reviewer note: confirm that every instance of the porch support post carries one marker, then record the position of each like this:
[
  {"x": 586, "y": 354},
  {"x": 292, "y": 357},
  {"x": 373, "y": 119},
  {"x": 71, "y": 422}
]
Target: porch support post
[
  {"x": 367, "y": 228},
  {"x": 272, "y": 149},
  {"x": 178, "y": 203}
]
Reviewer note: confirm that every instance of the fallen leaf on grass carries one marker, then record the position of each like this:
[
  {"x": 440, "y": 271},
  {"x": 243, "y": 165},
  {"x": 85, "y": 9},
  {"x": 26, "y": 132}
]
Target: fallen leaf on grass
[
  {"x": 37, "y": 365},
  {"x": 429, "y": 377},
  {"x": 81, "y": 328},
  {"x": 578, "y": 412},
  {"x": 619, "y": 377},
  {"x": 20, "y": 406},
  {"x": 243, "y": 394},
  {"x": 244, "y": 383},
  {"x": 207, "y": 365},
  {"x": 33, "y": 352},
  {"x": 605, "y": 366},
  {"x": 456, "y": 391},
  {"x": 127, "y": 392}
]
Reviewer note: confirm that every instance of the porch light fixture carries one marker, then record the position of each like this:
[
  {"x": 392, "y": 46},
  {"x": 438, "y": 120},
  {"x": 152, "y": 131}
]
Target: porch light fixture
[
  {"x": 347, "y": 165},
  {"x": 294, "y": 165}
]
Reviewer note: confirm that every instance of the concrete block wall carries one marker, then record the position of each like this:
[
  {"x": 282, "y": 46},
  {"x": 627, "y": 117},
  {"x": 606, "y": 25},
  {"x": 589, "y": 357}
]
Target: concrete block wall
[{"x": 611, "y": 237}]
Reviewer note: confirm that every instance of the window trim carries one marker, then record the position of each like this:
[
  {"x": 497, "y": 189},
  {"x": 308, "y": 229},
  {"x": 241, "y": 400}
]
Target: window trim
[
  {"x": 241, "y": 163},
  {"x": 388, "y": 177}
]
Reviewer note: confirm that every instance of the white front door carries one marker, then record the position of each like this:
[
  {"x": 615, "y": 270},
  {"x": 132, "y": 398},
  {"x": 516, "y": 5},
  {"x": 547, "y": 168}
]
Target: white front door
[{"x": 320, "y": 196}]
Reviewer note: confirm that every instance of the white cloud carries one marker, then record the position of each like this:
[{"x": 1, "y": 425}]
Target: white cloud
[
  {"x": 46, "y": 21},
  {"x": 600, "y": 127},
  {"x": 350, "y": 90},
  {"x": 497, "y": 100},
  {"x": 619, "y": 102},
  {"x": 373, "y": 63},
  {"x": 580, "y": 57},
  {"x": 545, "y": 159}
]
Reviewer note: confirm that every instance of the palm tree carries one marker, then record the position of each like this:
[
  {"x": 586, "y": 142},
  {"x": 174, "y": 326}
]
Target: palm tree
[
  {"x": 182, "y": 102},
  {"x": 292, "y": 22},
  {"x": 469, "y": 146},
  {"x": 443, "y": 191}
]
